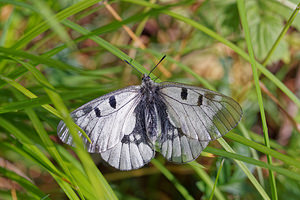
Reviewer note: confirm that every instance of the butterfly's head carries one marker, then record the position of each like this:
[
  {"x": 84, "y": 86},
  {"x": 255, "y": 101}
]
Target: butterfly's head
[
  {"x": 146, "y": 78},
  {"x": 147, "y": 83}
]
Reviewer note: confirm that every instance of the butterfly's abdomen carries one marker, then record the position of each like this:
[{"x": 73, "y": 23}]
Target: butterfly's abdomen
[
  {"x": 149, "y": 92},
  {"x": 150, "y": 114}
]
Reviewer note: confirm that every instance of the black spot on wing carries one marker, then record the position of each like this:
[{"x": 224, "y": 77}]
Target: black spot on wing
[
  {"x": 172, "y": 136},
  {"x": 125, "y": 139},
  {"x": 180, "y": 132},
  {"x": 200, "y": 100},
  {"x": 112, "y": 102},
  {"x": 134, "y": 137},
  {"x": 97, "y": 112},
  {"x": 184, "y": 93},
  {"x": 87, "y": 109}
]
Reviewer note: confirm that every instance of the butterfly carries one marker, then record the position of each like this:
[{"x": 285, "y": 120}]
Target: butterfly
[{"x": 129, "y": 125}]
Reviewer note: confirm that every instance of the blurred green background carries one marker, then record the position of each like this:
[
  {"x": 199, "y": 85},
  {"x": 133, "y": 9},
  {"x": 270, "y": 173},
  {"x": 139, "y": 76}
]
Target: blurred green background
[{"x": 58, "y": 55}]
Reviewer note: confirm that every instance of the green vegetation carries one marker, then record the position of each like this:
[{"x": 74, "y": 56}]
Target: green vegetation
[{"x": 58, "y": 55}]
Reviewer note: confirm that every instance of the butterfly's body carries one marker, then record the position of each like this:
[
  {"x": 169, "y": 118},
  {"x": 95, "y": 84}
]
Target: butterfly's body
[
  {"x": 148, "y": 91},
  {"x": 127, "y": 126}
]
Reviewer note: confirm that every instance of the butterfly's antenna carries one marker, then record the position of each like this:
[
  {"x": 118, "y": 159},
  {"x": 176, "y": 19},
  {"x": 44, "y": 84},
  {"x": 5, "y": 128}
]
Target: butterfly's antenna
[
  {"x": 133, "y": 67},
  {"x": 156, "y": 78},
  {"x": 156, "y": 65}
]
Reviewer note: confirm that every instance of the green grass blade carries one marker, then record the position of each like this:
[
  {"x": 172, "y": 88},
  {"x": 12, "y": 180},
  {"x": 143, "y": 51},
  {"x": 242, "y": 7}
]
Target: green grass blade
[
  {"x": 50, "y": 146},
  {"x": 28, "y": 94},
  {"x": 42, "y": 27},
  {"x": 253, "y": 152},
  {"x": 242, "y": 12},
  {"x": 29, "y": 150},
  {"x": 38, "y": 59},
  {"x": 19, "y": 4},
  {"x": 5, "y": 29},
  {"x": 214, "y": 35},
  {"x": 100, "y": 186},
  {"x": 286, "y": 159},
  {"x": 49, "y": 17},
  {"x": 26, "y": 184},
  {"x": 281, "y": 170},
  {"x": 245, "y": 169},
  {"x": 216, "y": 181},
  {"x": 183, "y": 191},
  {"x": 106, "y": 45},
  {"x": 97, "y": 181},
  {"x": 283, "y": 32},
  {"x": 205, "y": 177}
]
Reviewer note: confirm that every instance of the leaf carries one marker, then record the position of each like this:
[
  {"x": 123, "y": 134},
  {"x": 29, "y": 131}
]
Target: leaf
[
  {"x": 221, "y": 16},
  {"x": 265, "y": 26},
  {"x": 284, "y": 11}
]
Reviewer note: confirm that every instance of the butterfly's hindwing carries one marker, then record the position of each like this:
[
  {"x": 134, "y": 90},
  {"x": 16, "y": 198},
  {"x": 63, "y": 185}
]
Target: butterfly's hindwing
[
  {"x": 135, "y": 149},
  {"x": 174, "y": 144},
  {"x": 179, "y": 148}
]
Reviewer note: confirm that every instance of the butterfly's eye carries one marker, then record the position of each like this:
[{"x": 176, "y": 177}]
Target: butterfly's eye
[{"x": 145, "y": 77}]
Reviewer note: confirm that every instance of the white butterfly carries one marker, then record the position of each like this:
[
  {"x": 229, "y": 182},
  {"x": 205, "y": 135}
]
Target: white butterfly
[{"x": 127, "y": 126}]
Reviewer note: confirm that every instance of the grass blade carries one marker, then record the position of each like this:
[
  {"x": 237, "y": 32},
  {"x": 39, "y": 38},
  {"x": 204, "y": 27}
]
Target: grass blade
[{"x": 242, "y": 12}]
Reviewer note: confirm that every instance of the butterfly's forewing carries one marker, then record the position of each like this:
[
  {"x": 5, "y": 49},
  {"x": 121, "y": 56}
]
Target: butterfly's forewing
[
  {"x": 105, "y": 120},
  {"x": 198, "y": 116}
]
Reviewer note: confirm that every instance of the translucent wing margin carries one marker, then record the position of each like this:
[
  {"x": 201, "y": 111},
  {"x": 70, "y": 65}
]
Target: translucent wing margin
[
  {"x": 201, "y": 114},
  {"x": 105, "y": 120}
]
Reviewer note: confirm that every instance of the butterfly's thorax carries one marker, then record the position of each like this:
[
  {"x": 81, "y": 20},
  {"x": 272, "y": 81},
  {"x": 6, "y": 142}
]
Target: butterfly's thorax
[{"x": 148, "y": 90}]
